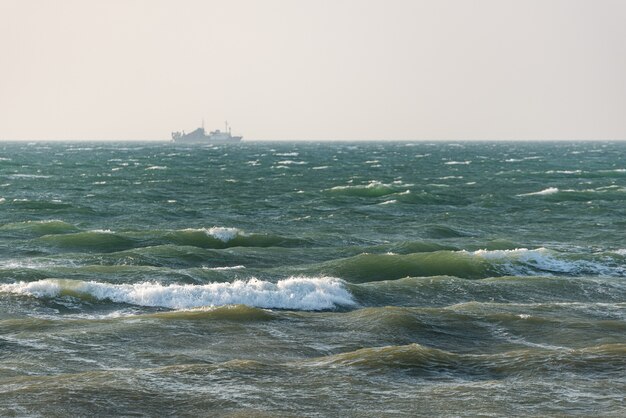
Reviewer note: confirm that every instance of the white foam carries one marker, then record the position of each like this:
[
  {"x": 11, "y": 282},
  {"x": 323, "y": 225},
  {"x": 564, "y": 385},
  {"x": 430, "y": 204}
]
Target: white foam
[
  {"x": 239, "y": 267},
  {"x": 223, "y": 234},
  {"x": 458, "y": 163},
  {"x": 293, "y": 293},
  {"x": 544, "y": 192},
  {"x": 28, "y": 176},
  {"x": 292, "y": 162},
  {"x": 373, "y": 184},
  {"x": 563, "y": 171},
  {"x": 157, "y": 167},
  {"x": 27, "y": 264}
]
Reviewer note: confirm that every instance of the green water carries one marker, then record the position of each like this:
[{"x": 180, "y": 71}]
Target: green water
[{"x": 313, "y": 279}]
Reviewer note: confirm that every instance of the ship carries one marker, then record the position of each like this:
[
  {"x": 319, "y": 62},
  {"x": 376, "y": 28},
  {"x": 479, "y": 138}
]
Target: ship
[{"x": 199, "y": 136}]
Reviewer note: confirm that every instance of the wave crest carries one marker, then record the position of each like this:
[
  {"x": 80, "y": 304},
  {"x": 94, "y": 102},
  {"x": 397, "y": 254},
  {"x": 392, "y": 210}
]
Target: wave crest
[{"x": 372, "y": 189}]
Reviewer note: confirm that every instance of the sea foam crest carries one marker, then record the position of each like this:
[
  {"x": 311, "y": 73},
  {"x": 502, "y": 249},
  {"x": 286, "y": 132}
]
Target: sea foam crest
[
  {"x": 223, "y": 234},
  {"x": 542, "y": 260},
  {"x": 374, "y": 188},
  {"x": 296, "y": 293}
]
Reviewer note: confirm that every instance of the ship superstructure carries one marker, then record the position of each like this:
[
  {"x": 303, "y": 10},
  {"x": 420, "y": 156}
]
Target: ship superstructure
[{"x": 199, "y": 136}]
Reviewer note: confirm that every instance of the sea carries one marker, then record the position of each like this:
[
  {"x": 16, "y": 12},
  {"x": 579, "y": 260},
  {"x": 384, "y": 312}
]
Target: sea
[{"x": 313, "y": 279}]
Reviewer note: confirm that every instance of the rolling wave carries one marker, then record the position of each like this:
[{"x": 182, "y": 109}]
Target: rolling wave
[
  {"x": 446, "y": 290},
  {"x": 610, "y": 193},
  {"x": 242, "y": 313},
  {"x": 38, "y": 228},
  {"x": 220, "y": 237},
  {"x": 422, "y": 359},
  {"x": 60, "y": 235},
  {"x": 89, "y": 241},
  {"x": 473, "y": 264}
]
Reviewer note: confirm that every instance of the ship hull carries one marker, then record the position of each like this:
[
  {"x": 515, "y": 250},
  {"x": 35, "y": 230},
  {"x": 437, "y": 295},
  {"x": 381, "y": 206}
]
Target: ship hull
[{"x": 232, "y": 140}]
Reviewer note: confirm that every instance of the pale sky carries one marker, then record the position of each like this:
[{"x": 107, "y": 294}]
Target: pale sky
[{"x": 313, "y": 69}]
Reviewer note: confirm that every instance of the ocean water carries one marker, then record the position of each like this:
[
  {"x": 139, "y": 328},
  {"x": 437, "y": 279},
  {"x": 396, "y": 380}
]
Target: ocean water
[{"x": 313, "y": 279}]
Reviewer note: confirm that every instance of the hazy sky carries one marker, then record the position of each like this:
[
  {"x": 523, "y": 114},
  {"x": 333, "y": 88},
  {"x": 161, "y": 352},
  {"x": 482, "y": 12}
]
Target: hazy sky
[{"x": 314, "y": 69}]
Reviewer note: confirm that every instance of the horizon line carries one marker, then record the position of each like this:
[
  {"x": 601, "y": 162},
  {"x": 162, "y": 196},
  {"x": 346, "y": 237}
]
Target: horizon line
[{"x": 6, "y": 140}]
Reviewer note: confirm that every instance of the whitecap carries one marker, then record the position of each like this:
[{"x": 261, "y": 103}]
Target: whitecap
[
  {"x": 239, "y": 267},
  {"x": 548, "y": 191},
  {"x": 292, "y": 162},
  {"x": 457, "y": 162},
  {"x": 563, "y": 171},
  {"x": 28, "y": 176}
]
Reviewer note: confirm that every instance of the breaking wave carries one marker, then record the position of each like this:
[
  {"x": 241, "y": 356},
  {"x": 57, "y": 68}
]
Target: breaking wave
[
  {"x": 372, "y": 189},
  {"x": 222, "y": 237},
  {"x": 310, "y": 294}
]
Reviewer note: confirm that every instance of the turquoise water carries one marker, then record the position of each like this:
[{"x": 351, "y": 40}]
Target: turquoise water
[{"x": 313, "y": 279}]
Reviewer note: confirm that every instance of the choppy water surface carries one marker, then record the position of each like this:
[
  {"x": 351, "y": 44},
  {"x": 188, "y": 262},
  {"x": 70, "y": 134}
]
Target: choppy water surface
[{"x": 352, "y": 279}]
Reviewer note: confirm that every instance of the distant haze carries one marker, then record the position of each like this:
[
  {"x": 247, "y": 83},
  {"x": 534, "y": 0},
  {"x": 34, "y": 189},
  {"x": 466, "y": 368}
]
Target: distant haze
[{"x": 317, "y": 69}]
